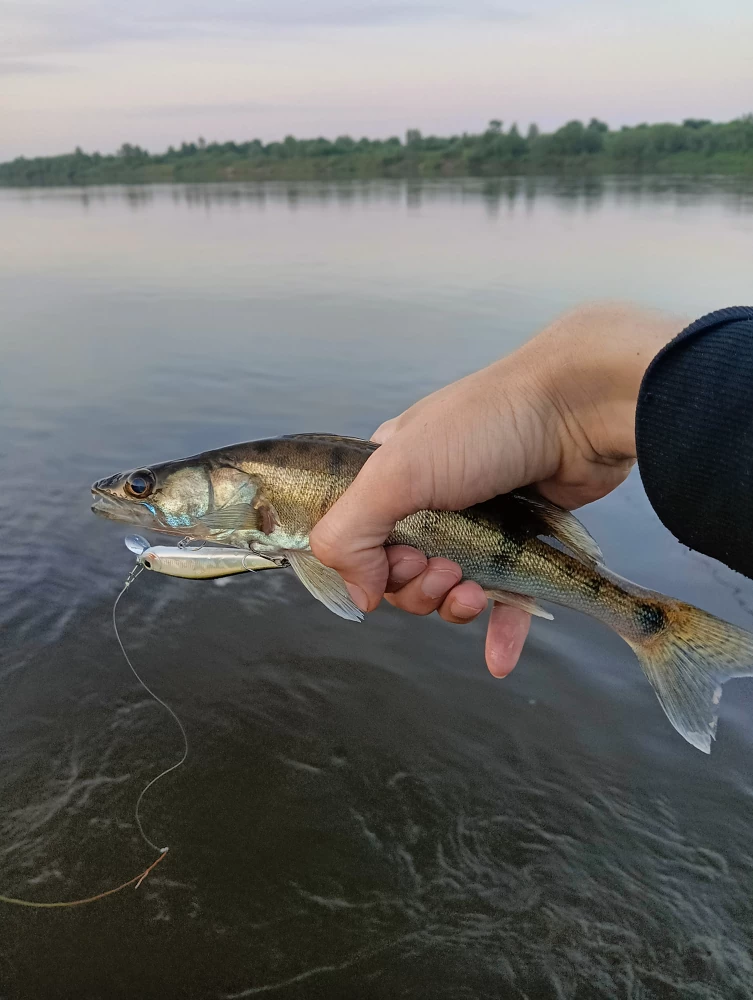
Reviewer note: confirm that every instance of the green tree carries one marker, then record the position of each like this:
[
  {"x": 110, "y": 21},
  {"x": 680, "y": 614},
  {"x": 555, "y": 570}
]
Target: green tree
[
  {"x": 574, "y": 139},
  {"x": 516, "y": 144},
  {"x": 129, "y": 152}
]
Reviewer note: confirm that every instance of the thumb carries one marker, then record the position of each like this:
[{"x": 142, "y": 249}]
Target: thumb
[
  {"x": 350, "y": 537},
  {"x": 385, "y": 430}
]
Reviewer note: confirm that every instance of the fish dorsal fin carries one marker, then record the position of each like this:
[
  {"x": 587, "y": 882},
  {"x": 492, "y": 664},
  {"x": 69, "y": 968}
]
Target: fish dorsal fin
[
  {"x": 325, "y": 584},
  {"x": 333, "y": 439},
  {"x": 563, "y": 526},
  {"x": 519, "y": 601}
]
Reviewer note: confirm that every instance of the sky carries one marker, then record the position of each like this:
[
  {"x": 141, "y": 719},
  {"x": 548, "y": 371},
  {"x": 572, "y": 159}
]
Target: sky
[{"x": 97, "y": 73}]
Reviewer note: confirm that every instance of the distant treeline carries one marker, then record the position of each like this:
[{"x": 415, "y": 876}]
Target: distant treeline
[{"x": 696, "y": 146}]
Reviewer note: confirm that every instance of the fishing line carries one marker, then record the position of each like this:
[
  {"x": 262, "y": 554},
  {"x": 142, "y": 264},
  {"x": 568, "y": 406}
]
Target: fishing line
[
  {"x": 138, "y": 879},
  {"x": 161, "y": 851},
  {"x": 135, "y": 572}
]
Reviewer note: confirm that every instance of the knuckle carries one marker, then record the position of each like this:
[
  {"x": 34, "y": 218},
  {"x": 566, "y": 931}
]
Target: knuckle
[{"x": 325, "y": 545}]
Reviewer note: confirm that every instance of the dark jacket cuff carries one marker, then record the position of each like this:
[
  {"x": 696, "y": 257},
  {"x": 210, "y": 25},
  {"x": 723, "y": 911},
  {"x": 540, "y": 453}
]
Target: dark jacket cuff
[{"x": 694, "y": 436}]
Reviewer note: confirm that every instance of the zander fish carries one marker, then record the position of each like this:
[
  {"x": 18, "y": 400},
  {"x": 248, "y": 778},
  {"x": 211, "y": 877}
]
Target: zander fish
[{"x": 266, "y": 496}]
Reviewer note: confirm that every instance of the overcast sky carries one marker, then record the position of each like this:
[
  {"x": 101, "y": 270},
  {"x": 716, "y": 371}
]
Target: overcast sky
[{"x": 96, "y": 73}]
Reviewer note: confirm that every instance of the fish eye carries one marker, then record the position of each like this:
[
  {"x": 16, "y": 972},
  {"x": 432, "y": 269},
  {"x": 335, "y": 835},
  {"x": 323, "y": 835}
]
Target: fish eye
[{"x": 140, "y": 484}]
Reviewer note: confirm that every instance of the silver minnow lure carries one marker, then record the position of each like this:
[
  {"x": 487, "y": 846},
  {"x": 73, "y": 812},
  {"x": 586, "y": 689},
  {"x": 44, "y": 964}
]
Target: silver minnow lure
[{"x": 195, "y": 564}]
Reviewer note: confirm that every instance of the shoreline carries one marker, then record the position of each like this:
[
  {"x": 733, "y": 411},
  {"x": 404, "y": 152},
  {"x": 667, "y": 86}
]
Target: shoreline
[{"x": 304, "y": 170}]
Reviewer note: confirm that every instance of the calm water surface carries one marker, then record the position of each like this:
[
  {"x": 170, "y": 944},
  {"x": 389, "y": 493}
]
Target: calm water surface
[{"x": 365, "y": 811}]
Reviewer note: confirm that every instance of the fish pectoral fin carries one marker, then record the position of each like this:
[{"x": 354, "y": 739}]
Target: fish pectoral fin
[
  {"x": 325, "y": 584},
  {"x": 564, "y": 526},
  {"x": 519, "y": 601},
  {"x": 243, "y": 513},
  {"x": 233, "y": 517}
]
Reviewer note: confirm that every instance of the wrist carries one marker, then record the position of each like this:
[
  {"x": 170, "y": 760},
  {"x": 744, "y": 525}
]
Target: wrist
[{"x": 592, "y": 361}]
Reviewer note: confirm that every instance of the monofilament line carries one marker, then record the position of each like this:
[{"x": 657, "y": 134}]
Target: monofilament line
[{"x": 174, "y": 767}]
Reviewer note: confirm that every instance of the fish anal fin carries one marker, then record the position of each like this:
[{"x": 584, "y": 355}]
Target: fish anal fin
[
  {"x": 323, "y": 583},
  {"x": 519, "y": 601},
  {"x": 564, "y": 526}
]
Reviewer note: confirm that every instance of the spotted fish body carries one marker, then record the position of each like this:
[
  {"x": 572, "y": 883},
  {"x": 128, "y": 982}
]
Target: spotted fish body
[{"x": 266, "y": 496}]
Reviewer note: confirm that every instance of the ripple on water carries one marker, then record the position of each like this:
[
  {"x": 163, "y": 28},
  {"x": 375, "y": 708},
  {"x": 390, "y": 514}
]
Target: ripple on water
[{"x": 364, "y": 812}]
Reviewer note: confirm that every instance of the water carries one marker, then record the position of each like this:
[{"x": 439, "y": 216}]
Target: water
[{"x": 365, "y": 811}]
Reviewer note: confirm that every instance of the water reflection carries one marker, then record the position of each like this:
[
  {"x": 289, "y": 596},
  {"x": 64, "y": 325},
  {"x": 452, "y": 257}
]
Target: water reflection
[{"x": 574, "y": 193}]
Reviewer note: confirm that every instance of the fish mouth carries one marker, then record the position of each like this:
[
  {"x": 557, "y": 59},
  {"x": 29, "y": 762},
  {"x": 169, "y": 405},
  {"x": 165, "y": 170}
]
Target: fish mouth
[{"x": 115, "y": 509}]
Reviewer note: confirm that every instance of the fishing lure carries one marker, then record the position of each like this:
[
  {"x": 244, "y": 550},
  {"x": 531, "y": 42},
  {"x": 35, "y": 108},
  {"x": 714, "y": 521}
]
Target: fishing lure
[{"x": 196, "y": 563}]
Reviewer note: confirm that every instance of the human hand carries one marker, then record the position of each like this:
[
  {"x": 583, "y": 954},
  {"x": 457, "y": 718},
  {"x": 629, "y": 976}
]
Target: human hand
[{"x": 558, "y": 413}]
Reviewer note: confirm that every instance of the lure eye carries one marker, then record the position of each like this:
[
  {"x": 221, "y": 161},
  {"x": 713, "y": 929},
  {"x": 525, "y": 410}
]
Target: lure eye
[{"x": 140, "y": 485}]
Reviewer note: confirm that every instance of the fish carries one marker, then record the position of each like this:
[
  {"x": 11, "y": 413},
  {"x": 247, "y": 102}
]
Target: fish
[
  {"x": 196, "y": 564},
  {"x": 266, "y": 496}
]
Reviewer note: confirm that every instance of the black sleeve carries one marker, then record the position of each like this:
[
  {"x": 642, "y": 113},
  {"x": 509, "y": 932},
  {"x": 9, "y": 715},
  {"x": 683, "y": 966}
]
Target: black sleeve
[{"x": 694, "y": 435}]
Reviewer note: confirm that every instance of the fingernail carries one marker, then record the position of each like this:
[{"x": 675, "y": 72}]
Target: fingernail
[
  {"x": 358, "y": 596},
  {"x": 406, "y": 569},
  {"x": 436, "y": 583},
  {"x": 463, "y": 610}
]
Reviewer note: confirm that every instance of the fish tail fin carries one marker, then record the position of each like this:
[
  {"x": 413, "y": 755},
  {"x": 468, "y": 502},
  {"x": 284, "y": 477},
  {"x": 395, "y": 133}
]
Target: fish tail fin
[{"x": 687, "y": 654}]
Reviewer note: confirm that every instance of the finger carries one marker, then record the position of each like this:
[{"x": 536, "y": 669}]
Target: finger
[
  {"x": 463, "y": 603},
  {"x": 350, "y": 537},
  {"x": 427, "y": 591},
  {"x": 507, "y": 631},
  {"x": 385, "y": 430},
  {"x": 405, "y": 564}
]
